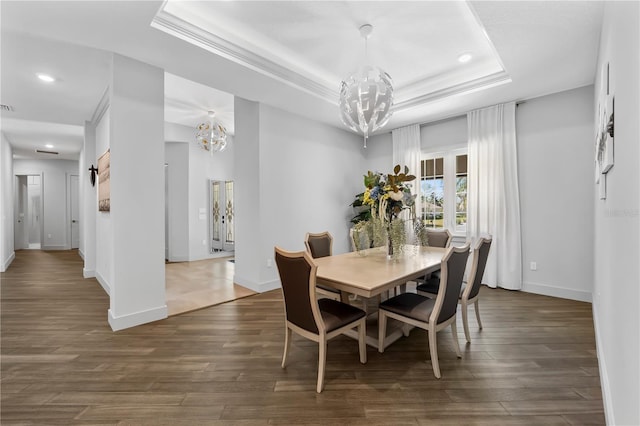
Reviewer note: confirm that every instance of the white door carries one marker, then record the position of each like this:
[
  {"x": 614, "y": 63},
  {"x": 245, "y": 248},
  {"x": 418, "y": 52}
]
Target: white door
[
  {"x": 34, "y": 210},
  {"x": 75, "y": 211},
  {"x": 222, "y": 216},
  {"x": 21, "y": 237}
]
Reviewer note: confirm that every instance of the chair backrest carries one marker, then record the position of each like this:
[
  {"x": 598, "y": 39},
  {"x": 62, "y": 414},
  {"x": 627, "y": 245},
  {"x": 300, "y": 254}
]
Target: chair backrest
[
  {"x": 438, "y": 238},
  {"x": 452, "y": 267},
  {"x": 298, "y": 277},
  {"x": 319, "y": 245},
  {"x": 480, "y": 255}
]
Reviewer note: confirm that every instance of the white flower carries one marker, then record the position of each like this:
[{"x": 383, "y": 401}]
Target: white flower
[{"x": 396, "y": 196}]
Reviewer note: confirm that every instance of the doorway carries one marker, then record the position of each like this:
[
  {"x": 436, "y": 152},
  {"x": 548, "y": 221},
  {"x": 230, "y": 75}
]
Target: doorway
[
  {"x": 74, "y": 211},
  {"x": 28, "y": 212},
  {"x": 222, "y": 216}
]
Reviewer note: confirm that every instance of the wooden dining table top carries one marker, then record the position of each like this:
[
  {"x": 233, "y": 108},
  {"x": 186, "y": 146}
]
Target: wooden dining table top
[{"x": 370, "y": 272}]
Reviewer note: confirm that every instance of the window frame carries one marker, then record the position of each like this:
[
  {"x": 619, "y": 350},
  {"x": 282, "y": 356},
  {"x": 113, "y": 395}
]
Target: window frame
[{"x": 449, "y": 154}]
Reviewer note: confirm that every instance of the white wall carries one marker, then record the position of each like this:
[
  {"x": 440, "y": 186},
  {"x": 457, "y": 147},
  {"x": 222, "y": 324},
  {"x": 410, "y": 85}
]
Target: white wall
[
  {"x": 177, "y": 158},
  {"x": 55, "y": 200},
  {"x": 560, "y": 124},
  {"x": 136, "y": 141},
  {"x": 88, "y": 201},
  {"x": 248, "y": 255},
  {"x": 378, "y": 155},
  {"x": 310, "y": 174},
  {"x": 103, "y": 226},
  {"x": 6, "y": 204},
  {"x": 616, "y": 296},
  {"x": 303, "y": 179},
  {"x": 556, "y": 179},
  {"x": 445, "y": 134}
]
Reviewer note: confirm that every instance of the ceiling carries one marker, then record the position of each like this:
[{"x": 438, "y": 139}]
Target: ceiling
[{"x": 288, "y": 54}]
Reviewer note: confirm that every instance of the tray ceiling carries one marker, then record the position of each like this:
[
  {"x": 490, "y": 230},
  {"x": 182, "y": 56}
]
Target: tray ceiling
[{"x": 314, "y": 45}]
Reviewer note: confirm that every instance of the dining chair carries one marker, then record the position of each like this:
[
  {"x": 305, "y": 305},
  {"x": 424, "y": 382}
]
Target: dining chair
[
  {"x": 435, "y": 238},
  {"x": 439, "y": 237},
  {"x": 429, "y": 314},
  {"x": 315, "y": 319},
  {"x": 469, "y": 294},
  {"x": 321, "y": 245}
]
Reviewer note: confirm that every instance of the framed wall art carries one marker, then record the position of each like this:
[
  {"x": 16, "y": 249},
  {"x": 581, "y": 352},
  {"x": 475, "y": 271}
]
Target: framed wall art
[{"x": 104, "y": 182}]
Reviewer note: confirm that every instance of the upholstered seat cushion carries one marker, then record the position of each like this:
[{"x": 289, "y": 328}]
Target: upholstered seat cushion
[
  {"x": 410, "y": 305},
  {"x": 336, "y": 314}
]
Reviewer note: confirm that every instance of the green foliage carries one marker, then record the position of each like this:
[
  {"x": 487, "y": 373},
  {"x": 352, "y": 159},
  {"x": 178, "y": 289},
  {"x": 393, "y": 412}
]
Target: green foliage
[{"x": 363, "y": 211}]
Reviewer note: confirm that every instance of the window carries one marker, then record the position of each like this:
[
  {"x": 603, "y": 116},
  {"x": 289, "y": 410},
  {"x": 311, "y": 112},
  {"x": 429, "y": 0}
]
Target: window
[{"x": 443, "y": 187}]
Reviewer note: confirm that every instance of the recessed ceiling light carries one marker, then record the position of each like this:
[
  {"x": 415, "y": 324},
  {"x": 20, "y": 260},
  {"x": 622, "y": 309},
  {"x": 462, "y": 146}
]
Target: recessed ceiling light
[
  {"x": 465, "y": 57},
  {"x": 46, "y": 78},
  {"x": 48, "y": 146}
]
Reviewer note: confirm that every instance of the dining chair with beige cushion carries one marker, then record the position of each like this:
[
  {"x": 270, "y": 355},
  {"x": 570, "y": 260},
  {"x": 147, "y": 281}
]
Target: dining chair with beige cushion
[
  {"x": 321, "y": 245},
  {"x": 430, "y": 314},
  {"x": 316, "y": 319},
  {"x": 469, "y": 294}
]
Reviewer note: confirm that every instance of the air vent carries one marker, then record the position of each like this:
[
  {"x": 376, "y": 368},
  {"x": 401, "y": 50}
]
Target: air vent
[
  {"x": 46, "y": 152},
  {"x": 4, "y": 107}
]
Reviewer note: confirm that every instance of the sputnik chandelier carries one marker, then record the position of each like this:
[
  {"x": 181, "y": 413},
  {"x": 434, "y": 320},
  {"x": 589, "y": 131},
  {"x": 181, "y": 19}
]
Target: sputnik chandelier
[
  {"x": 366, "y": 96},
  {"x": 212, "y": 136}
]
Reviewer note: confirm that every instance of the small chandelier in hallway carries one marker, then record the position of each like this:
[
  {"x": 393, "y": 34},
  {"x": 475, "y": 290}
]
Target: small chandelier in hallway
[{"x": 212, "y": 135}]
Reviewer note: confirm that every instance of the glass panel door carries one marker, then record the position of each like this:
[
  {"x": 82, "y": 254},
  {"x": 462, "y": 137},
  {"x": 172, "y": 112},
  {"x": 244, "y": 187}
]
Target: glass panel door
[
  {"x": 222, "y": 216},
  {"x": 229, "y": 216},
  {"x": 216, "y": 215}
]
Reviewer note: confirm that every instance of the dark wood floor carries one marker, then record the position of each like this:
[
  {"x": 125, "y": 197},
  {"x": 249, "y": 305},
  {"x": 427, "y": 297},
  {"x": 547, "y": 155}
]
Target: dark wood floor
[{"x": 534, "y": 363}]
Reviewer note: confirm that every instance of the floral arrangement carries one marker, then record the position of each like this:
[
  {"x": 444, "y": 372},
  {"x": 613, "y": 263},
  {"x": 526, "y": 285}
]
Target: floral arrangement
[
  {"x": 384, "y": 198},
  {"x": 388, "y": 195}
]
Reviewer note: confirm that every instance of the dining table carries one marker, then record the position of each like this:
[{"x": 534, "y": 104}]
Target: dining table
[{"x": 371, "y": 273}]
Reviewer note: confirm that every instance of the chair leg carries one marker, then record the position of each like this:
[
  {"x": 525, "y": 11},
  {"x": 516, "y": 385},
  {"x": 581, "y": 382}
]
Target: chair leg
[
  {"x": 478, "y": 314},
  {"x": 287, "y": 345},
  {"x": 362, "y": 344},
  {"x": 454, "y": 333},
  {"x": 433, "y": 350},
  {"x": 382, "y": 330},
  {"x": 465, "y": 320},
  {"x": 406, "y": 329},
  {"x": 322, "y": 360}
]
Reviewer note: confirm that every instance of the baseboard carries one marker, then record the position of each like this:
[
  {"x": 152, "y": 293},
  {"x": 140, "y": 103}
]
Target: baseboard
[
  {"x": 81, "y": 254},
  {"x": 257, "y": 287},
  {"x": 179, "y": 259},
  {"x": 602, "y": 367},
  {"x": 137, "y": 318},
  {"x": 6, "y": 263},
  {"x": 563, "y": 293},
  {"x": 88, "y": 273},
  {"x": 104, "y": 283},
  {"x": 62, "y": 247}
]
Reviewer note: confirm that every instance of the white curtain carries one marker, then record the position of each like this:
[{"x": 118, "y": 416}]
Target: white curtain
[
  {"x": 493, "y": 198},
  {"x": 406, "y": 152}
]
